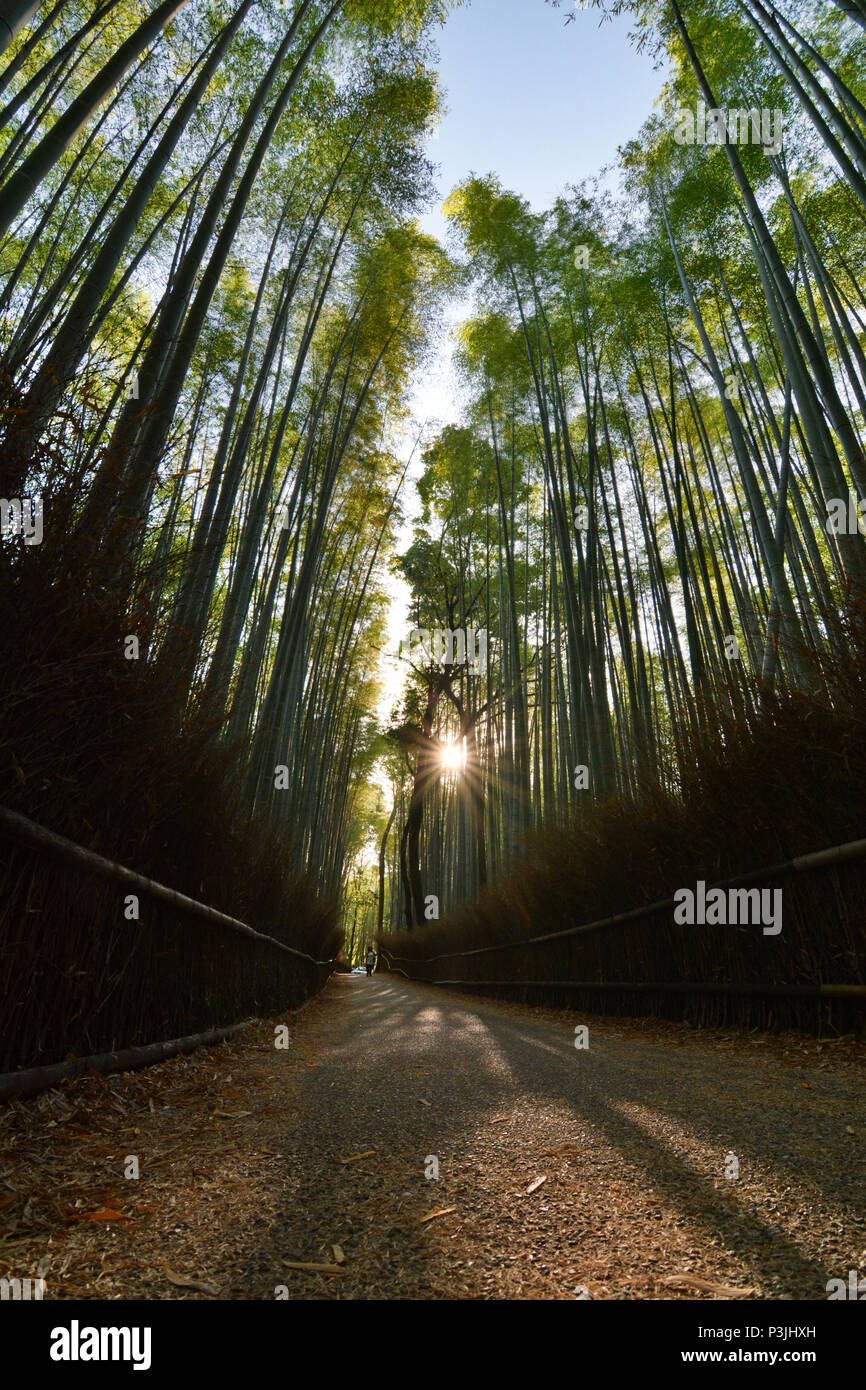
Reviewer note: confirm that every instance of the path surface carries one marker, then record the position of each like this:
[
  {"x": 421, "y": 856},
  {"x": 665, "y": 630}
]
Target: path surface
[{"x": 241, "y": 1151}]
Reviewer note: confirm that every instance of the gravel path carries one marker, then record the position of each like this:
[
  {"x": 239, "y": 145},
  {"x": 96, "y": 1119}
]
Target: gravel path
[{"x": 631, "y": 1136}]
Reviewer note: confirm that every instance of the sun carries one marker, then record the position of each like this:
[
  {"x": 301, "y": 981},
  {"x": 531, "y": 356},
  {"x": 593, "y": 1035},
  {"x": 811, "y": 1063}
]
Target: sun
[{"x": 451, "y": 757}]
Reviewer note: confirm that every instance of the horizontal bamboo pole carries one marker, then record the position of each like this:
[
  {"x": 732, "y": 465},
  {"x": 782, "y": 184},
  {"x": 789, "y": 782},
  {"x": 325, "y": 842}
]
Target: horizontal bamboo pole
[
  {"x": 838, "y": 854},
  {"x": 855, "y": 993},
  {"x": 36, "y": 1079},
  {"x": 21, "y": 828}
]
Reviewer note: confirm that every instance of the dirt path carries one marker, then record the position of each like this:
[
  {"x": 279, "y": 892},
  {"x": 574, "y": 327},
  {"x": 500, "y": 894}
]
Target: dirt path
[{"x": 241, "y": 1153}]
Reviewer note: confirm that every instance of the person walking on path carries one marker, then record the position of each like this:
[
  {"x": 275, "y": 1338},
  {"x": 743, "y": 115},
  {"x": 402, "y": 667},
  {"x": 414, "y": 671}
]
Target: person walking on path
[{"x": 371, "y": 960}]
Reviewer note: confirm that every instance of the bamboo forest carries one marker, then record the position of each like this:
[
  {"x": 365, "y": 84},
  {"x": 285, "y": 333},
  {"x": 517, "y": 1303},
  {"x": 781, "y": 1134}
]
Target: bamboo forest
[{"x": 446, "y": 572}]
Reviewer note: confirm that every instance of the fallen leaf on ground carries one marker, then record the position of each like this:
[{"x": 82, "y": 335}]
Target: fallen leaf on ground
[
  {"x": 427, "y": 1102},
  {"x": 354, "y": 1158},
  {"x": 183, "y": 1282},
  {"x": 105, "y": 1215},
  {"x": 534, "y": 1186},
  {"x": 233, "y": 1114},
  {"x": 443, "y": 1211},
  {"x": 688, "y": 1281},
  {"x": 314, "y": 1268},
  {"x": 339, "y": 1257}
]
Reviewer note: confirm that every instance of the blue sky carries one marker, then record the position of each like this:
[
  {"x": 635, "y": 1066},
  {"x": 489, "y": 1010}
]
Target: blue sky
[{"x": 540, "y": 103}]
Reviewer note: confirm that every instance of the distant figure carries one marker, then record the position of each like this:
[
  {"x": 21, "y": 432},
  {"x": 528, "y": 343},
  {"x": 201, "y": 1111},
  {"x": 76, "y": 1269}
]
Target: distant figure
[{"x": 371, "y": 960}]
